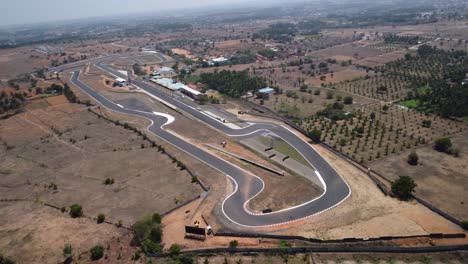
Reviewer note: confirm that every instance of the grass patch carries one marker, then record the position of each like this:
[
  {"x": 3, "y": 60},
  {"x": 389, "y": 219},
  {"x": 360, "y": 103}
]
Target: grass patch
[
  {"x": 284, "y": 148},
  {"x": 413, "y": 103},
  {"x": 193, "y": 79},
  {"x": 465, "y": 119}
]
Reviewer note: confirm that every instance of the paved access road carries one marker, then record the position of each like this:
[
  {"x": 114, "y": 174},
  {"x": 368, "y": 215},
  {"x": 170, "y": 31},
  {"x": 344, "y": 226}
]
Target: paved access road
[{"x": 247, "y": 185}]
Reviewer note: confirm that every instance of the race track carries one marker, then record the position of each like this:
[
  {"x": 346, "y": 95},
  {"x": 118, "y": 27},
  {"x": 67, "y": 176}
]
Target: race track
[{"x": 247, "y": 185}]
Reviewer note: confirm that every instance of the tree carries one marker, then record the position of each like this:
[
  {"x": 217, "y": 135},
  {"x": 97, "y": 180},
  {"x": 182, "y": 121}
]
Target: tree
[
  {"x": 157, "y": 218},
  {"x": 348, "y": 100},
  {"x": 155, "y": 234},
  {"x": 76, "y": 210},
  {"x": 174, "y": 250},
  {"x": 101, "y": 218},
  {"x": 233, "y": 244},
  {"x": 150, "y": 247},
  {"x": 315, "y": 134},
  {"x": 443, "y": 145},
  {"x": 97, "y": 252},
  {"x": 413, "y": 158},
  {"x": 403, "y": 187}
]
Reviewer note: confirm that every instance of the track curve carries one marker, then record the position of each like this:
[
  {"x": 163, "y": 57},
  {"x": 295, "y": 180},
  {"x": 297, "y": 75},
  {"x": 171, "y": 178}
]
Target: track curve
[{"x": 247, "y": 185}]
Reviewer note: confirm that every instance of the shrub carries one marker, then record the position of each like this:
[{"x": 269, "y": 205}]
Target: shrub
[
  {"x": 97, "y": 252},
  {"x": 413, "y": 158},
  {"x": 101, "y": 218},
  {"x": 155, "y": 234},
  {"x": 233, "y": 244},
  {"x": 315, "y": 134},
  {"x": 426, "y": 123},
  {"x": 108, "y": 181},
  {"x": 283, "y": 244},
  {"x": 149, "y": 247},
  {"x": 403, "y": 187},
  {"x": 67, "y": 250},
  {"x": 317, "y": 92},
  {"x": 464, "y": 225},
  {"x": 194, "y": 179},
  {"x": 76, "y": 210},
  {"x": 174, "y": 250},
  {"x": 136, "y": 255},
  {"x": 330, "y": 95},
  {"x": 157, "y": 218},
  {"x": 443, "y": 145},
  {"x": 348, "y": 100},
  {"x": 6, "y": 260}
]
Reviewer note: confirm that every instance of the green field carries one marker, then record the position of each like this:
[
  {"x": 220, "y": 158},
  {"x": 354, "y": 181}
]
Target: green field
[
  {"x": 413, "y": 103},
  {"x": 193, "y": 79},
  {"x": 284, "y": 148}
]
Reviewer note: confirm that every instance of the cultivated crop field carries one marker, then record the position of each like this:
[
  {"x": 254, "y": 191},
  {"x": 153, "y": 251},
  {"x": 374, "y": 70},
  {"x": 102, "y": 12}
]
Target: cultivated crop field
[
  {"x": 384, "y": 87},
  {"x": 391, "y": 131}
]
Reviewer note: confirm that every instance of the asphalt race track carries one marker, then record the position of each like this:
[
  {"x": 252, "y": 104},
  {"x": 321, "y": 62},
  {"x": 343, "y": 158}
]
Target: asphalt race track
[{"x": 247, "y": 185}]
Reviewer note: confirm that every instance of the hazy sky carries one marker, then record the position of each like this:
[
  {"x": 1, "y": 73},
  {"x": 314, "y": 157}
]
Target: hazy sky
[{"x": 32, "y": 11}]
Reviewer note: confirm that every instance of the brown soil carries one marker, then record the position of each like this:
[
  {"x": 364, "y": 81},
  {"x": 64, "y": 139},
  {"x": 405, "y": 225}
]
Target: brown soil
[
  {"x": 441, "y": 178},
  {"x": 73, "y": 149},
  {"x": 32, "y": 233}
]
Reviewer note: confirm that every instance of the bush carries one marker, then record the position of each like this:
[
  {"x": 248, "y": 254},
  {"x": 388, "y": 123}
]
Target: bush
[
  {"x": 464, "y": 225},
  {"x": 233, "y": 244},
  {"x": 413, "y": 158},
  {"x": 156, "y": 234},
  {"x": 76, "y": 210},
  {"x": 283, "y": 244},
  {"x": 403, "y": 187},
  {"x": 315, "y": 135},
  {"x": 97, "y": 252},
  {"x": 136, "y": 255},
  {"x": 157, "y": 218},
  {"x": 108, "y": 181},
  {"x": 194, "y": 179},
  {"x": 443, "y": 145},
  {"x": 174, "y": 250},
  {"x": 6, "y": 260},
  {"x": 101, "y": 218},
  {"x": 67, "y": 250},
  {"x": 348, "y": 100},
  {"x": 149, "y": 247}
]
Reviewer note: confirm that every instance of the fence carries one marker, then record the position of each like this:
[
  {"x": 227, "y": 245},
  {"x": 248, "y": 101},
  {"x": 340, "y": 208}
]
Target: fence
[
  {"x": 327, "y": 249},
  {"x": 352, "y": 239},
  {"x": 350, "y": 160}
]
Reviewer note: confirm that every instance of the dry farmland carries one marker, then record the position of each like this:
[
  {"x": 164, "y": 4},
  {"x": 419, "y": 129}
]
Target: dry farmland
[
  {"x": 381, "y": 87},
  {"x": 64, "y": 154},
  {"x": 393, "y": 130}
]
